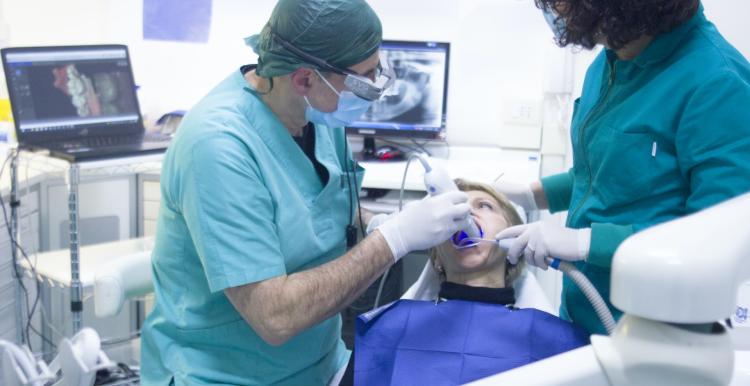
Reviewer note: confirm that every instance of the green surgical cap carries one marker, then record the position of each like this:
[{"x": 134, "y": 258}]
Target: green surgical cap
[{"x": 341, "y": 32}]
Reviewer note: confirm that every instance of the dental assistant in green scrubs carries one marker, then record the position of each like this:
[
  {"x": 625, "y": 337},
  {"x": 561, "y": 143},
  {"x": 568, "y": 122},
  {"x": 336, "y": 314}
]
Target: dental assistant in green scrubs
[
  {"x": 250, "y": 265},
  {"x": 661, "y": 130}
]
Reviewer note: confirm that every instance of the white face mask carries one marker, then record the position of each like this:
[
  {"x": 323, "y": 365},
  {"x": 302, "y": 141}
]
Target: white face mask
[{"x": 350, "y": 107}]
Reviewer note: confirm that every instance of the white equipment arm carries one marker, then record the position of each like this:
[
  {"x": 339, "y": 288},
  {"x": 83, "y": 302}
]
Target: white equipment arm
[
  {"x": 126, "y": 277},
  {"x": 687, "y": 270},
  {"x": 673, "y": 281}
]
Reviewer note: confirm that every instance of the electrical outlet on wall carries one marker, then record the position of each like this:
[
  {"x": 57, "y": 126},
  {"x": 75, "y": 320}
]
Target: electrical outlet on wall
[{"x": 522, "y": 112}]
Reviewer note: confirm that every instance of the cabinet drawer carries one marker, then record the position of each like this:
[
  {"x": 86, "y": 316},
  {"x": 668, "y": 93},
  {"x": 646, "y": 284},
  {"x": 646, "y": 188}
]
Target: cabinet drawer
[
  {"x": 7, "y": 294},
  {"x": 6, "y": 274},
  {"x": 9, "y": 335},
  {"x": 29, "y": 225},
  {"x": 29, "y": 201},
  {"x": 8, "y": 319}
]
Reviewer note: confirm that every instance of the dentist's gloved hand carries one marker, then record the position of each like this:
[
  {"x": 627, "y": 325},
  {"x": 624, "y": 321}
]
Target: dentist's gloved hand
[
  {"x": 520, "y": 194},
  {"x": 378, "y": 219},
  {"x": 547, "y": 238},
  {"x": 425, "y": 223}
]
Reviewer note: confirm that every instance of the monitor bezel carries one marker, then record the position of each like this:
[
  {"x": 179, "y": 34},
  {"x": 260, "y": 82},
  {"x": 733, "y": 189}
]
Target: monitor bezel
[
  {"x": 421, "y": 134},
  {"x": 73, "y": 133}
]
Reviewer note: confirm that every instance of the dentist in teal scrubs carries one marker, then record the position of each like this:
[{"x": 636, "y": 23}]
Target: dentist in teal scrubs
[
  {"x": 250, "y": 265},
  {"x": 661, "y": 130}
]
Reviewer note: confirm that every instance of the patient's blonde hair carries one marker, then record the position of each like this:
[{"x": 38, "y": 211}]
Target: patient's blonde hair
[{"x": 512, "y": 271}]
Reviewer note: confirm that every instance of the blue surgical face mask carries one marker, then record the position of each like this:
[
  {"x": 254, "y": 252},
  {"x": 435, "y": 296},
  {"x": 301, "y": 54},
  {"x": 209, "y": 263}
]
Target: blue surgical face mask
[
  {"x": 556, "y": 24},
  {"x": 349, "y": 109}
]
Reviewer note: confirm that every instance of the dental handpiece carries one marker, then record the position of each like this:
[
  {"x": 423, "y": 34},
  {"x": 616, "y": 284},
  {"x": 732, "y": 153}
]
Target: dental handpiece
[
  {"x": 437, "y": 181},
  {"x": 503, "y": 244}
]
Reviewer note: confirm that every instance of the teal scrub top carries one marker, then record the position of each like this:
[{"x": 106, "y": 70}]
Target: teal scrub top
[
  {"x": 656, "y": 138},
  {"x": 241, "y": 203}
]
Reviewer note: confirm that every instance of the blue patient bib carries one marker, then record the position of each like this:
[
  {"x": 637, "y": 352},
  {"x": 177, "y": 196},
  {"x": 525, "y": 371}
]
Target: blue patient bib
[{"x": 454, "y": 342}]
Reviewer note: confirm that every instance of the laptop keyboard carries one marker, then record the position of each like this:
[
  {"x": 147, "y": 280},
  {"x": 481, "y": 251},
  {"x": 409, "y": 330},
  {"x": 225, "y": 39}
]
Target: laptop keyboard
[{"x": 118, "y": 140}]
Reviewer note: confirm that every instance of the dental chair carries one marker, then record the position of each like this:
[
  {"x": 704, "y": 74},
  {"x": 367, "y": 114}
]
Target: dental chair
[
  {"x": 529, "y": 293},
  {"x": 456, "y": 341}
]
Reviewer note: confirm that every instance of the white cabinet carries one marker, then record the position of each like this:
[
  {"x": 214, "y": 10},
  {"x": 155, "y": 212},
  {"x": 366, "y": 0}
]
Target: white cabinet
[{"x": 107, "y": 211}]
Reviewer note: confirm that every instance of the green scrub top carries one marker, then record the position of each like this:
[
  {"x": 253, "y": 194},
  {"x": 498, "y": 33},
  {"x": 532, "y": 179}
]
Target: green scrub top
[
  {"x": 656, "y": 138},
  {"x": 241, "y": 203}
]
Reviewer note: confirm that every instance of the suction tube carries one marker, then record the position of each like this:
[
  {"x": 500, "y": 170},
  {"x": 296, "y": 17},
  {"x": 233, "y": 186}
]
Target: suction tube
[{"x": 583, "y": 283}]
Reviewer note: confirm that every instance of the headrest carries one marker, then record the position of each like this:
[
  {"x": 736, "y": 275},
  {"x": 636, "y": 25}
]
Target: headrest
[{"x": 529, "y": 293}]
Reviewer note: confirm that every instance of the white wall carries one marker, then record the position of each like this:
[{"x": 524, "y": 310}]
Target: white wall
[
  {"x": 731, "y": 17},
  {"x": 501, "y": 52},
  {"x": 490, "y": 63},
  {"x": 497, "y": 53},
  {"x": 497, "y": 56}
]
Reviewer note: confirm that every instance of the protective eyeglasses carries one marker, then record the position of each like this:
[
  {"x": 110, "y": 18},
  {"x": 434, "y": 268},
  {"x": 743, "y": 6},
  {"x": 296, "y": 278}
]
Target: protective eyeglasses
[{"x": 361, "y": 86}]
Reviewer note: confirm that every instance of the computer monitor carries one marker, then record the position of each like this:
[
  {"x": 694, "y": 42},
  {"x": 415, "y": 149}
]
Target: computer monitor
[{"x": 415, "y": 105}]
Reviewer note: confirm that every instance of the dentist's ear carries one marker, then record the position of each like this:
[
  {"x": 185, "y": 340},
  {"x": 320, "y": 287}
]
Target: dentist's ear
[{"x": 302, "y": 80}]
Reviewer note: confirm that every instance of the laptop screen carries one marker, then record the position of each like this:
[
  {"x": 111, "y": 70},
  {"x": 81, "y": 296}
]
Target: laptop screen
[{"x": 71, "y": 91}]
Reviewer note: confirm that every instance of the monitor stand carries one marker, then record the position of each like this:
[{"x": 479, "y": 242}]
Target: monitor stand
[{"x": 368, "y": 149}]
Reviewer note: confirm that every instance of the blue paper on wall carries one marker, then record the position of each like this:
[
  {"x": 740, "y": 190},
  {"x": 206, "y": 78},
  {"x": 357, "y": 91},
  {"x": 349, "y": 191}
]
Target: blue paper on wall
[{"x": 177, "y": 20}]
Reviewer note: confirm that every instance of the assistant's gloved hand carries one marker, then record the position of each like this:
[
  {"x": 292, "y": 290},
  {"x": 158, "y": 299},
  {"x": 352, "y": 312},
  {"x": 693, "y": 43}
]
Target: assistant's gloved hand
[
  {"x": 546, "y": 238},
  {"x": 425, "y": 223},
  {"x": 520, "y": 194}
]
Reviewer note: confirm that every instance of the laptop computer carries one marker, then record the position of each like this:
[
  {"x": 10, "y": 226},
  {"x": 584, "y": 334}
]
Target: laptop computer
[{"x": 78, "y": 102}]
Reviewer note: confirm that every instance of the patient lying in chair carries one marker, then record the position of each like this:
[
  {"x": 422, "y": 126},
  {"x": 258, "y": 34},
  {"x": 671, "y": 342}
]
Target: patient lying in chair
[{"x": 472, "y": 328}]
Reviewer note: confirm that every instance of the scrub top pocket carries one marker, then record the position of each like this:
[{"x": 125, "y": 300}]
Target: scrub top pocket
[{"x": 623, "y": 166}]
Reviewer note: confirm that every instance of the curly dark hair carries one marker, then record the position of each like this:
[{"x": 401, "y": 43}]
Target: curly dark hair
[{"x": 618, "y": 21}]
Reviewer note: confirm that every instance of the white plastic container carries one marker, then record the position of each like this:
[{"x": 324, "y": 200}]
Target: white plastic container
[{"x": 741, "y": 319}]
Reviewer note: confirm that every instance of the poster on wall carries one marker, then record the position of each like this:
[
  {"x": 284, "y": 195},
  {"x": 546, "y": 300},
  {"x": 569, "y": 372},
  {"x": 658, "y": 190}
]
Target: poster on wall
[{"x": 187, "y": 21}]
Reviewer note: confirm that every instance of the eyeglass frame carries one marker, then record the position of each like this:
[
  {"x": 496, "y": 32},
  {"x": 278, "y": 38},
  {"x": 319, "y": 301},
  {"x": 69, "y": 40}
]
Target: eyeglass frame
[{"x": 356, "y": 83}]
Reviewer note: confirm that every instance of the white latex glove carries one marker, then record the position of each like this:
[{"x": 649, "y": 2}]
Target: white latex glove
[
  {"x": 425, "y": 223},
  {"x": 378, "y": 219},
  {"x": 546, "y": 238},
  {"x": 520, "y": 194}
]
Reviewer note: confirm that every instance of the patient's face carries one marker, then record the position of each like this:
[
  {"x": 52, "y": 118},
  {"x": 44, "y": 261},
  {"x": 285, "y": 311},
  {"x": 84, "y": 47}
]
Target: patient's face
[{"x": 488, "y": 214}]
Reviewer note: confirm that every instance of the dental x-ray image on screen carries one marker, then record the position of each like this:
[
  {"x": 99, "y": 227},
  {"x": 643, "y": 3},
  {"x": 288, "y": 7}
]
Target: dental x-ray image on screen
[{"x": 416, "y": 100}]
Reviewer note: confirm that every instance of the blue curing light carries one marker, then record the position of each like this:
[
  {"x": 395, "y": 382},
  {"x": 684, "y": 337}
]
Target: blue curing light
[{"x": 461, "y": 239}]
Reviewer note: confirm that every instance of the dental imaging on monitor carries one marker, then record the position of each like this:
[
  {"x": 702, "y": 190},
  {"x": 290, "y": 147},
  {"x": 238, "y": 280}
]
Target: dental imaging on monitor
[
  {"x": 95, "y": 94},
  {"x": 71, "y": 87},
  {"x": 416, "y": 102}
]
